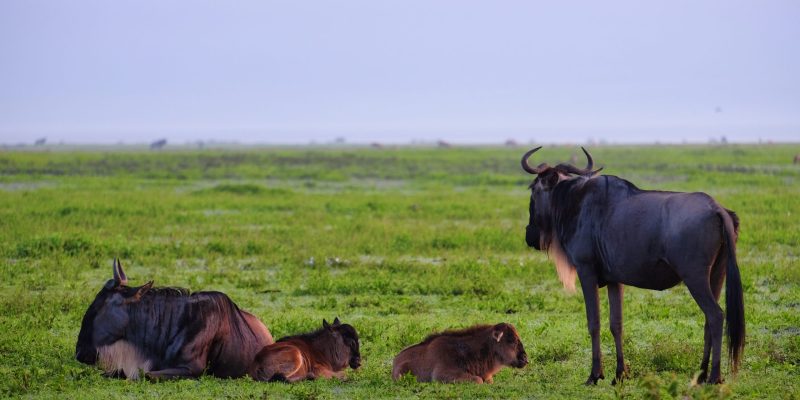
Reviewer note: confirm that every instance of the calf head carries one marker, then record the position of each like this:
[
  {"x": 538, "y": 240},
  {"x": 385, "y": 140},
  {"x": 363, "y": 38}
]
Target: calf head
[
  {"x": 507, "y": 346},
  {"x": 345, "y": 344},
  {"x": 107, "y": 318}
]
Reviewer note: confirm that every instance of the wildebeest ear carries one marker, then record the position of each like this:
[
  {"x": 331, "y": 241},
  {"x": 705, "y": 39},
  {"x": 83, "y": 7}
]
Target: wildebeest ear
[
  {"x": 498, "y": 332},
  {"x": 325, "y": 324},
  {"x": 139, "y": 293},
  {"x": 336, "y": 322}
]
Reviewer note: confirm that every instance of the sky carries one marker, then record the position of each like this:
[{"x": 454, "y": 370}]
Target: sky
[{"x": 296, "y": 72}]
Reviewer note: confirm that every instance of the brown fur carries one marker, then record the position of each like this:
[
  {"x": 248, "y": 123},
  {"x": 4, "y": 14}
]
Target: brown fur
[
  {"x": 473, "y": 354},
  {"x": 167, "y": 333},
  {"x": 321, "y": 354}
]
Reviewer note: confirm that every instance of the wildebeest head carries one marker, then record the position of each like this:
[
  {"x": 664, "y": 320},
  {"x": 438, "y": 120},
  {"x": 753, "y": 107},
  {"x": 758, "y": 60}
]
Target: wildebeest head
[
  {"x": 539, "y": 229},
  {"x": 107, "y": 317},
  {"x": 507, "y": 346},
  {"x": 346, "y": 345}
]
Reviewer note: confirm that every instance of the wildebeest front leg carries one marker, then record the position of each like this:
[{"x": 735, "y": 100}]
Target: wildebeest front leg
[
  {"x": 615, "y": 292},
  {"x": 449, "y": 376},
  {"x": 590, "y": 298},
  {"x": 176, "y": 373}
]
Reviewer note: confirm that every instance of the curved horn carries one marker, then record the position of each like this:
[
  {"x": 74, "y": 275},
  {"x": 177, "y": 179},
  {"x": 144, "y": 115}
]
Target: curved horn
[
  {"x": 578, "y": 171},
  {"x": 119, "y": 274},
  {"x": 527, "y": 167},
  {"x": 589, "y": 161}
]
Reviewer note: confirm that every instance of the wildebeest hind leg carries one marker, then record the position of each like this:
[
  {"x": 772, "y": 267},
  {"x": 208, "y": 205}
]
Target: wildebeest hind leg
[
  {"x": 716, "y": 281},
  {"x": 615, "y": 293},
  {"x": 700, "y": 289}
]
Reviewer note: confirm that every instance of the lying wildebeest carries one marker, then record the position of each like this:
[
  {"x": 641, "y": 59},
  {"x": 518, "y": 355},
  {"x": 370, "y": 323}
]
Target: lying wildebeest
[
  {"x": 473, "y": 354},
  {"x": 611, "y": 233},
  {"x": 324, "y": 353},
  {"x": 167, "y": 332}
]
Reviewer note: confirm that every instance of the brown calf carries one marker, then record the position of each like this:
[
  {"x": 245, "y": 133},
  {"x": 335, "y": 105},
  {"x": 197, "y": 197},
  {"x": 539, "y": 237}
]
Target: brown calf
[
  {"x": 469, "y": 355},
  {"x": 324, "y": 353}
]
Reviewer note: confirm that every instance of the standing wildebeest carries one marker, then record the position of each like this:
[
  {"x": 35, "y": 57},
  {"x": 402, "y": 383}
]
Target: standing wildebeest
[
  {"x": 468, "y": 355},
  {"x": 167, "y": 332},
  {"x": 324, "y": 353},
  {"x": 611, "y": 233}
]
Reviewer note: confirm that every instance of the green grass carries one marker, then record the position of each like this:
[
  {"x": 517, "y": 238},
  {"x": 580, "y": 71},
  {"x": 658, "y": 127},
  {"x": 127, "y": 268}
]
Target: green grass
[{"x": 398, "y": 242}]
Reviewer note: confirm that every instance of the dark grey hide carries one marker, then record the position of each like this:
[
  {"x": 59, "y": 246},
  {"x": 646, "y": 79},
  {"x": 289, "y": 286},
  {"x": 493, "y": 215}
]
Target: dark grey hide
[
  {"x": 610, "y": 233},
  {"x": 167, "y": 332}
]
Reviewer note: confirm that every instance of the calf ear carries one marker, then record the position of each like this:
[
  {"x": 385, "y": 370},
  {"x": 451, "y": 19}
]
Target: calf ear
[
  {"x": 497, "y": 334},
  {"x": 336, "y": 322},
  {"x": 325, "y": 324},
  {"x": 139, "y": 293}
]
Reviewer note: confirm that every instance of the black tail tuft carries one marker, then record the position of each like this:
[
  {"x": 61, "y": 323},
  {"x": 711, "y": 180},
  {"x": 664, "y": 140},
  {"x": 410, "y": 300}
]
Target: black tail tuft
[{"x": 734, "y": 297}]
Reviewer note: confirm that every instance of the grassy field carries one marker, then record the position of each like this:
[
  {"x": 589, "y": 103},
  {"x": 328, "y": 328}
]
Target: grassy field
[{"x": 397, "y": 242}]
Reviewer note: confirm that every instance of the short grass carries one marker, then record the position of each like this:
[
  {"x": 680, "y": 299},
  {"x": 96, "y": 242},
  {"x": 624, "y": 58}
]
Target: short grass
[{"x": 399, "y": 242}]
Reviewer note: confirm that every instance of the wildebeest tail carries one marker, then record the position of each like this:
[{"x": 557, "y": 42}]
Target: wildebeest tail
[
  {"x": 734, "y": 297},
  {"x": 735, "y": 219}
]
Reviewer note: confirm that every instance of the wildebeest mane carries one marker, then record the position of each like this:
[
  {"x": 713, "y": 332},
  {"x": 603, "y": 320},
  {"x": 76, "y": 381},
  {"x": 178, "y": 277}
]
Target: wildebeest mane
[
  {"x": 345, "y": 329},
  {"x": 168, "y": 291},
  {"x": 306, "y": 337},
  {"x": 164, "y": 314},
  {"x": 568, "y": 196},
  {"x": 455, "y": 333}
]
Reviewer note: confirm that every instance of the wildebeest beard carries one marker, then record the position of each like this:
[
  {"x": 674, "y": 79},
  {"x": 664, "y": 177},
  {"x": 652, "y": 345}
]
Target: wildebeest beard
[{"x": 558, "y": 210}]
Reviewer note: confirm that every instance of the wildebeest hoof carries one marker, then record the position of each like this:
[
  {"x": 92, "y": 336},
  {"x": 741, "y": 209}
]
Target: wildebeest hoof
[
  {"x": 702, "y": 377},
  {"x": 621, "y": 375},
  {"x": 115, "y": 374},
  {"x": 594, "y": 378}
]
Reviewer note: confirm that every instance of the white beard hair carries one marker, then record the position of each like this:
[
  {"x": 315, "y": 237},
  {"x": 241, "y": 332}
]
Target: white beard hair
[
  {"x": 122, "y": 356},
  {"x": 566, "y": 271}
]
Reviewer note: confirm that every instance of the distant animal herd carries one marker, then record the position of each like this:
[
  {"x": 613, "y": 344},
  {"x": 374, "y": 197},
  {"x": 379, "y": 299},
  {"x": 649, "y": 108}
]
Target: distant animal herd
[{"x": 600, "y": 229}]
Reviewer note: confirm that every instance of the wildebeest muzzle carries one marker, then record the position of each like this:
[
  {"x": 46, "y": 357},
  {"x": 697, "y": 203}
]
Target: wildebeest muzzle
[
  {"x": 532, "y": 236},
  {"x": 522, "y": 359}
]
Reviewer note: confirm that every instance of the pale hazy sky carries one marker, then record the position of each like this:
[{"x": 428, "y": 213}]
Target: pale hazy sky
[{"x": 392, "y": 71}]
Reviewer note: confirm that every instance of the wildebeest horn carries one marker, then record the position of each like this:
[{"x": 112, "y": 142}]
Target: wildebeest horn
[
  {"x": 589, "y": 161},
  {"x": 527, "y": 167},
  {"x": 586, "y": 171},
  {"x": 119, "y": 274},
  {"x": 590, "y": 164}
]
